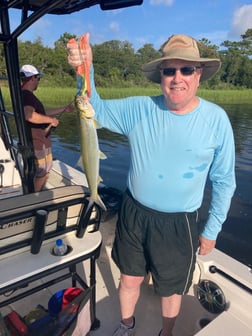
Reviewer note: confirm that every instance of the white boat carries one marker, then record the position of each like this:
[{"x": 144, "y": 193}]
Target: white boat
[{"x": 219, "y": 301}]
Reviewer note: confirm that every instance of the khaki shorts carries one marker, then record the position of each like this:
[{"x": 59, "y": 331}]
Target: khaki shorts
[
  {"x": 43, "y": 161},
  {"x": 164, "y": 244}
]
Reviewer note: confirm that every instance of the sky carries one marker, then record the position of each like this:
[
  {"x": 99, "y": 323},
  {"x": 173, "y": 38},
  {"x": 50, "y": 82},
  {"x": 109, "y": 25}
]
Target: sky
[{"x": 153, "y": 22}]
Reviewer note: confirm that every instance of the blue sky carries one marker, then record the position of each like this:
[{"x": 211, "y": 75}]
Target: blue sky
[{"x": 153, "y": 22}]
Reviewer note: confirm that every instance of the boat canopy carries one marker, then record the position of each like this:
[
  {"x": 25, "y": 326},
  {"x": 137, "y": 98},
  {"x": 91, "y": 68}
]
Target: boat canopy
[
  {"x": 70, "y": 6},
  {"x": 31, "y": 11}
]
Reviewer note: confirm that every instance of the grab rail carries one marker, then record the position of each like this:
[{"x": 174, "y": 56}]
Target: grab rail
[{"x": 214, "y": 269}]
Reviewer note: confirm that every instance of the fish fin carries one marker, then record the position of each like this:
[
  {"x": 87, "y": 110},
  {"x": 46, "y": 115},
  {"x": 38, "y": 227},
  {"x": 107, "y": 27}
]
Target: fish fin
[
  {"x": 102, "y": 155},
  {"x": 79, "y": 163},
  {"x": 90, "y": 204},
  {"x": 96, "y": 124},
  {"x": 99, "y": 180},
  {"x": 100, "y": 203}
]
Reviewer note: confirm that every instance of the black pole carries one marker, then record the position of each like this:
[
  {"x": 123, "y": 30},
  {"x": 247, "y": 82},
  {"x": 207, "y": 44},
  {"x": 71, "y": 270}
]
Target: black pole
[{"x": 12, "y": 65}]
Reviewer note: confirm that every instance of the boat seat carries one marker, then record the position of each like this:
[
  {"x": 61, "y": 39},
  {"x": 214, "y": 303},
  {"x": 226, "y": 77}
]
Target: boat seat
[
  {"x": 10, "y": 181},
  {"x": 60, "y": 208}
]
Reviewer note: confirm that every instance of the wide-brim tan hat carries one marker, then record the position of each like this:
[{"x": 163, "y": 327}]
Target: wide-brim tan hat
[{"x": 181, "y": 47}]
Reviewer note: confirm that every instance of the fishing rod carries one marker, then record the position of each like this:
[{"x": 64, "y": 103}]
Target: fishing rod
[{"x": 50, "y": 127}]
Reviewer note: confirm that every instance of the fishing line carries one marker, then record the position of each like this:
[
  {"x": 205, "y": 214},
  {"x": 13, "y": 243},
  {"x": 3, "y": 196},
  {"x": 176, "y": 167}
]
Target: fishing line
[{"x": 50, "y": 128}]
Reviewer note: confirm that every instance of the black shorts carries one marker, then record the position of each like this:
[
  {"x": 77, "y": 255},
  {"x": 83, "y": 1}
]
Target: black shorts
[{"x": 164, "y": 244}]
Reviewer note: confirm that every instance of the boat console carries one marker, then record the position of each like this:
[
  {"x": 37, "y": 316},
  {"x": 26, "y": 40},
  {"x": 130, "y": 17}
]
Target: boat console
[
  {"x": 27, "y": 221},
  {"x": 29, "y": 226}
]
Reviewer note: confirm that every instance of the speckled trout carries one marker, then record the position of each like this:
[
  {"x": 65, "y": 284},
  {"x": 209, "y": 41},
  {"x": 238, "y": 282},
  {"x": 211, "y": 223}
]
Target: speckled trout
[{"x": 90, "y": 153}]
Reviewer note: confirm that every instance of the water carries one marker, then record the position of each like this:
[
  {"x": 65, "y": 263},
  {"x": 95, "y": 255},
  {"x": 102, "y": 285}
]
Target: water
[{"x": 236, "y": 236}]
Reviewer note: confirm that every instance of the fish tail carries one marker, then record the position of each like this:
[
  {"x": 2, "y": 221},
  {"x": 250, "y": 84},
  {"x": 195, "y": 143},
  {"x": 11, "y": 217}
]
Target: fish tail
[
  {"x": 100, "y": 203},
  {"x": 97, "y": 201}
]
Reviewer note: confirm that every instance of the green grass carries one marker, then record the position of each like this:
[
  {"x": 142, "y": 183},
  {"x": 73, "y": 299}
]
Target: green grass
[
  {"x": 52, "y": 97},
  {"x": 216, "y": 96},
  {"x": 227, "y": 96}
]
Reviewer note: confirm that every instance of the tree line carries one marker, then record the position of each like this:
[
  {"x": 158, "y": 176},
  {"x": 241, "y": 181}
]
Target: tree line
[{"x": 117, "y": 64}]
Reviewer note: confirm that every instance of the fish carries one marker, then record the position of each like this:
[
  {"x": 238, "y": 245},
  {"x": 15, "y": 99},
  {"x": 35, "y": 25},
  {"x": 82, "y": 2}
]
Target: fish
[{"x": 90, "y": 152}]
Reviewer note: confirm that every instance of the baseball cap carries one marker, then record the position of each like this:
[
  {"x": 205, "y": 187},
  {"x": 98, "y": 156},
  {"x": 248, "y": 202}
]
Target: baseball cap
[{"x": 28, "y": 70}]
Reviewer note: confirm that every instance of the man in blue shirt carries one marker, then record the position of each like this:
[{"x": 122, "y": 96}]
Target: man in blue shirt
[{"x": 177, "y": 141}]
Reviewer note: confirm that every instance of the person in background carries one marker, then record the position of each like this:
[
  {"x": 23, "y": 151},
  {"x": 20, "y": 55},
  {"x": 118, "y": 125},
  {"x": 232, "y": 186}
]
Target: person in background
[
  {"x": 177, "y": 140},
  {"x": 39, "y": 121}
]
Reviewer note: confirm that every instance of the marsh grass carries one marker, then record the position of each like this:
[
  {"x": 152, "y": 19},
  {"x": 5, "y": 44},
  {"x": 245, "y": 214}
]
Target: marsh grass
[
  {"x": 53, "y": 97},
  {"x": 216, "y": 96},
  {"x": 227, "y": 96}
]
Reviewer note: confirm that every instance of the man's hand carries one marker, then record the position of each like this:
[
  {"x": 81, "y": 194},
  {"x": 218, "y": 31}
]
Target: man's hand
[
  {"x": 206, "y": 245},
  {"x": 76, "y": 56},
  {"x": 54, "y": 122}
]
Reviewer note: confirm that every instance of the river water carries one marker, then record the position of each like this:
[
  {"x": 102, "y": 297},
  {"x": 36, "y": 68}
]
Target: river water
[{"x": 236, "y": 236}]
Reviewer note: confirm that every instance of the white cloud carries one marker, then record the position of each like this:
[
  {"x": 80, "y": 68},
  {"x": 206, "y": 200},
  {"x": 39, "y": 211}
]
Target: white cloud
[
  {"x": 161, "y": 2},
  {"x": 242, "y": 21},
  {"x": 114, "y": 26}
]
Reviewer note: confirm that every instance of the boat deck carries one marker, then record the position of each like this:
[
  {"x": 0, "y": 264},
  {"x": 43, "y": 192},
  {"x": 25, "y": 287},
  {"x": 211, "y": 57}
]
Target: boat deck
[
  {"x": 107, "y": 307},
  {"x": 148, "y": 309}
]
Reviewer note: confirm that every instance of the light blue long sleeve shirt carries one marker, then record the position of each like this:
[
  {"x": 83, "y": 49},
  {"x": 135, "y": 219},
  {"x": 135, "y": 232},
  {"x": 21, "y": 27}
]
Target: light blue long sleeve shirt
[{"x": 172, "y": 155}]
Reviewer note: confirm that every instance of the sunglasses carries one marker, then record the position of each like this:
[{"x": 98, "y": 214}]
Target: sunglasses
[
  {"x": 185, "y": 71},
  {"x": 38, "y": 78}
]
